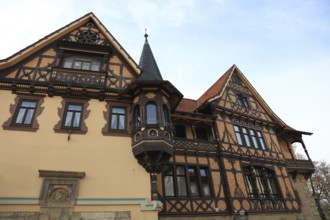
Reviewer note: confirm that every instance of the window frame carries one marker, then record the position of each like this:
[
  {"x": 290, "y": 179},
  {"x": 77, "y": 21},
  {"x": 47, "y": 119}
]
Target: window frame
[
  {"x": 149, "y": 120},
  {"x": 80, "y": 58},
  {"x": 258, "y": 181},
  {"x": 107, "y": 115},
  {"x": 243, "y": 101},
  {"x": 137, "y": 117},
  {"x": 118, "y": 118},
  {"x": 59, "y": 128},
  {"x": 250, "y": 138},
  {"x": 202, "y": 130},
  {"x": 10, "y": 124},
  {"x": 187, "y": 183},
  {"x": 73, "y": 117},
  {"x": 176, "y": 129},
  {"x": 26, "y": 110},
  {"x": 166, "y": 116}
]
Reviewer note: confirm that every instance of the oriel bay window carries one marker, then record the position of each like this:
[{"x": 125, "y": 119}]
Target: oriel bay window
[
  {"x": 187, "y": 181},
  {"x": 151, "y": 113},
  {"x": 166, "y": 116},
  {"x": 261, "y": 183},
  {"x": 136, "y": 117},
  {"x": 249, "y": 137}
]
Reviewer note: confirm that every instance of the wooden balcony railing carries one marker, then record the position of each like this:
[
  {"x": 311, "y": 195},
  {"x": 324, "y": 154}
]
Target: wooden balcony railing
[
  {"x": 300, "y": 166},
  {"x": 195, "y": 145}
]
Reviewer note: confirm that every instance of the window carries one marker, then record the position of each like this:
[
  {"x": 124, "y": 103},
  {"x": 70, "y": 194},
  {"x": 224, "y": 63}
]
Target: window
[
  {"x": 136, "y": 117},
  {"x": 72, "y": 116},
  {"x": 238, "y": 135},
  {"x": 116, "y": 119},
  {"x": 260, "y": 183},
  {"x": 81, "y": 63},
  {"x": 151, "y": 113},
  {"x": 201, "y": 133},
  {"x": 261, "y": 140},
  {"x": 180, "y": 131},
  {"x": 24, "y": 113},
  {"x": 118, "y": 115},
  {"x": 249, "y": 137},
  {"x": 246, "y": 137},
  {"x": 187, "y": 181},
  {"x": 166, "y": 116},
  {"x": 242, "y": 101}
]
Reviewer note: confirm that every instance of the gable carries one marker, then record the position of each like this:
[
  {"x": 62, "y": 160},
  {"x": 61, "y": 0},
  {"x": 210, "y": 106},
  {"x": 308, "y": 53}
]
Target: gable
[
  {"x": 237, "y": 97},
  {"x": 43, "y": 61},
  {"x": 223, "y": 94}
]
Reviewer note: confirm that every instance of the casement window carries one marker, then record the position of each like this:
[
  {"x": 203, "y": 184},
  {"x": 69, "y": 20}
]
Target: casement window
[
  {"x": 118, "y": 118},
  {"x": 242, "y": 101},
  {"x": 187, "y": 181},
  {"x": 260, "y": 183},
  {"x": 24, "y": 113},
  {"x": 72, "y": 116},
  {"x": 249, "y": 137},
  {"x": 81, "y": 63},
  {"x": 180, "y": 131},
  {"x": 151, "y": 113}
]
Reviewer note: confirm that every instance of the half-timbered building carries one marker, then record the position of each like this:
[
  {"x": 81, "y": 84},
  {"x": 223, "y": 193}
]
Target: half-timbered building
[{"x": 87, "y": 133}]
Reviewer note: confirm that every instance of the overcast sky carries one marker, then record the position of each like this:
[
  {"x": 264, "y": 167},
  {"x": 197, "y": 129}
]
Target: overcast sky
[{"x": 281, "y": 46}]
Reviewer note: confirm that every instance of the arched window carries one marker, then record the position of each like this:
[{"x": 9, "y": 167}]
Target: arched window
[
  {"x": 136, "y": 117},
  {"x": 260, "y": 182},
  {"x": 180, "y": 131},
  {"x": 81, "y": 63},
  {"x": 166, "y": 116},
  {"x": 151, "y": 113}
]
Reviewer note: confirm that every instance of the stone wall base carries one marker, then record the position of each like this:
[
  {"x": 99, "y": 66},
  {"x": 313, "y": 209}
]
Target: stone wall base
[{"x": 64, "y": 214}]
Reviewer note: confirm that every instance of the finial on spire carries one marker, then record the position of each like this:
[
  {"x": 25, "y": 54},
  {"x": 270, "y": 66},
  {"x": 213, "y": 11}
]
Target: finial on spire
[{"x": 145, "y": 33}]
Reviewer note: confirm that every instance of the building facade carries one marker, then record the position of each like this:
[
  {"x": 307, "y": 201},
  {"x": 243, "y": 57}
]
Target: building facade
[{"x": 87, "y": 133}]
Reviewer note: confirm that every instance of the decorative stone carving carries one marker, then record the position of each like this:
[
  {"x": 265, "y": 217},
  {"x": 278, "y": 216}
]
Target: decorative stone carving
[
  {"x": 59, "y": 188},
  {"x": 59, "y": 193}
]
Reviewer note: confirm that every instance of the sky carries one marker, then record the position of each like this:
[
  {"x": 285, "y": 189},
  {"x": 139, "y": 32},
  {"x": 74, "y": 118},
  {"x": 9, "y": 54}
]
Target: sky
[{"x": 282, "y": 47}]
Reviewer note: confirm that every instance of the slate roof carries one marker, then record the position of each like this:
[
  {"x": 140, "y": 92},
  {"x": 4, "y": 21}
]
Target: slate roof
[{"x": 148, "y": 64}]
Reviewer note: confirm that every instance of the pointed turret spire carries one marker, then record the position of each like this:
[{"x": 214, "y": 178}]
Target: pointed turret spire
[{"x": 148, "y": 65}]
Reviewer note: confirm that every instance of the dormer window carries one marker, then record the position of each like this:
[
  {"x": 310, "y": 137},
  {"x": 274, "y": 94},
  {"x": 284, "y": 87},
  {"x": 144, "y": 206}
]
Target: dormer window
[{"x": 81, "y": 63}]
